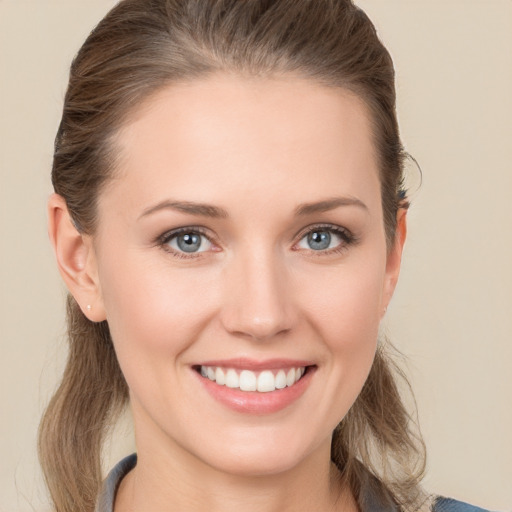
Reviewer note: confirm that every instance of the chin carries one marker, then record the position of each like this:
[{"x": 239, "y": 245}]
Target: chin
[{"x": 269, "y": 456}]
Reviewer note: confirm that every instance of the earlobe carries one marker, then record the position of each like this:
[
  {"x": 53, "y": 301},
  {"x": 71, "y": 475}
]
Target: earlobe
[
  {"x": 75, "y": 259},
  {"x": 394, "y": 258}
]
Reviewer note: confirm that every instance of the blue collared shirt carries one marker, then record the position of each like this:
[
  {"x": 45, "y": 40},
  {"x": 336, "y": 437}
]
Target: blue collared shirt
[{"x": 111, "y": 484}]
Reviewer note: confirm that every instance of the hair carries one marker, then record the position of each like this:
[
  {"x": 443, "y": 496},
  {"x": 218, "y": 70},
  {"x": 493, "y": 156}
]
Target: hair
[{"x": 137, "y": 49}]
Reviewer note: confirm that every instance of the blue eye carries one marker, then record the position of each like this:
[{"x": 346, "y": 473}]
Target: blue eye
[
  {"x": 319, "y": 240},
  {"x": 188, "y": 242},
  {"x": 323, "y": 239}
]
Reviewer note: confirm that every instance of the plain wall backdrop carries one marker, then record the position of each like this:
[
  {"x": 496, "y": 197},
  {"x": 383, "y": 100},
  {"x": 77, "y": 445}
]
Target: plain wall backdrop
[{"x": 452, "y": 312}]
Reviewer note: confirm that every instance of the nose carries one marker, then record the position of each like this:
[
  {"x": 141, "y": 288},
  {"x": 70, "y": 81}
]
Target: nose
[{"x": 257, "y": 298}]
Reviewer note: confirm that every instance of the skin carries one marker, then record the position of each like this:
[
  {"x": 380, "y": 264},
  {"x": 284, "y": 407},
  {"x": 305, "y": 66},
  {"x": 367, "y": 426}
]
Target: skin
[{"x": 258, "y": 149}]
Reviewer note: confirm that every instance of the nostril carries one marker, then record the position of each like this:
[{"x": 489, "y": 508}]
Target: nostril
[{"x": 259, "y": 309}]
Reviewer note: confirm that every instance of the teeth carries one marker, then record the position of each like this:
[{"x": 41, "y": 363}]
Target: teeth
[
  {"x": 248, "y": 380},
  {"x": 219, "y": 377},
  {"x": 280, "y": 379},
  {"x": 232, "y": 380},
  {"x": 266, "y": 382}
]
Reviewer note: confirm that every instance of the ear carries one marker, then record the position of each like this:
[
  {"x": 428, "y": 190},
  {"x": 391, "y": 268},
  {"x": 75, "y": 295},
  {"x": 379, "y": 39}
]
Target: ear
[
  {"x": 75, "y": 259},
  {"x": 394, "y": 258}
]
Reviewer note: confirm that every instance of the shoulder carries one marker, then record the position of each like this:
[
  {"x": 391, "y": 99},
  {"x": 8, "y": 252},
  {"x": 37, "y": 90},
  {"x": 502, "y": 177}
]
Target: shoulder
[
  {"x": 105, "y": 501},
  {"x": 442, "y": 504}
]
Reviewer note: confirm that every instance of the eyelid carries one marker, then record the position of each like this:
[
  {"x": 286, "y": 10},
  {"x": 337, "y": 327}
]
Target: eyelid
[
  {"x": 325, "y": 226},
  {"x": 346, "y": 235},
  {"x": 163, "y": 240},
  {"x": 348, "y": 238}
]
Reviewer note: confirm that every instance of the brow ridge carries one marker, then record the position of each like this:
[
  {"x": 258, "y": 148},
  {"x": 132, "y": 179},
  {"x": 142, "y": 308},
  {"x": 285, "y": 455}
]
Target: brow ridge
[
  {"x": 202, "y": 209},
  {"x": 207, "y": 210},
  {"x": 328, "y": 204}
]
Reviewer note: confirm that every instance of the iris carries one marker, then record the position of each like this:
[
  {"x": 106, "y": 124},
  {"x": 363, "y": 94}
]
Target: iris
[
  {"x": 189, "y": 242},
  {"x": 319, "y": 240}
]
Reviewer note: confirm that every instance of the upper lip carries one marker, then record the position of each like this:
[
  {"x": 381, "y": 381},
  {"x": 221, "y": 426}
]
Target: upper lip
[{"x": 256, "y": 365}]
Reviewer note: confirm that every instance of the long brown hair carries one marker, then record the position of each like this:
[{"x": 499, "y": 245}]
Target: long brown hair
[{"x": 139, "y": 47}]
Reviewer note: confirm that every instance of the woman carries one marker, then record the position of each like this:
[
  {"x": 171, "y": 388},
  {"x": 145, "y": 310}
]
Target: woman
[{"x": 229, "y": 219}]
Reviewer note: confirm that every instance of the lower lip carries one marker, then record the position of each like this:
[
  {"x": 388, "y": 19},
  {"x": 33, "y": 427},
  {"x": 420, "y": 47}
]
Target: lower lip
[{"x": 253, "y": 402}]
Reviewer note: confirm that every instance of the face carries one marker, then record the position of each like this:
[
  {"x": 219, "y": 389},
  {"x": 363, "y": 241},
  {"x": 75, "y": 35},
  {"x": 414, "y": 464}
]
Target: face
[{"x": 242, "y": 266}]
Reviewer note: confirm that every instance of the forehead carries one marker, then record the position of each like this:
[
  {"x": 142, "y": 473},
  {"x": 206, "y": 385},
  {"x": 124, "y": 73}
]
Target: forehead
[{"x": 234, "y": 134}]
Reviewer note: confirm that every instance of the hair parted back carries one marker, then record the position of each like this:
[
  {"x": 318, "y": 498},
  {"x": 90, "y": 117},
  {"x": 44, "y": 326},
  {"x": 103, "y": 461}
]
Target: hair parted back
[{"x": 138, "y": 48}]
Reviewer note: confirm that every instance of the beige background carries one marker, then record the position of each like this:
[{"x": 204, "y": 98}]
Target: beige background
[{"x": 452, "y": 314}]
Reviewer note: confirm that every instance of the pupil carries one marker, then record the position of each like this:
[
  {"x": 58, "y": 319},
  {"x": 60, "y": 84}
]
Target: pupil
[
  {"x": 189, "y": 242},
  {"x": 319, "y": 240}
]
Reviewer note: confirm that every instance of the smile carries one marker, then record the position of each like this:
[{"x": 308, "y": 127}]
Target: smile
[{"x": 247, "y": 380}]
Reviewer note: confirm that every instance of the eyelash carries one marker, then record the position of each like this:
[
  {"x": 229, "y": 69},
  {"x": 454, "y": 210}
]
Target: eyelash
[
  {"x": 163, "y": 241},
  {"x": 347, "y": 237}
]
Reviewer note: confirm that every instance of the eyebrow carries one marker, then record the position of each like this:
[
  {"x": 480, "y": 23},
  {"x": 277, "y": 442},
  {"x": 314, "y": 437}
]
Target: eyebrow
[
  {"x": 328, "y": 204},
  {"x": 204, "y": 210},
  {"x": 208, "y": 210}
]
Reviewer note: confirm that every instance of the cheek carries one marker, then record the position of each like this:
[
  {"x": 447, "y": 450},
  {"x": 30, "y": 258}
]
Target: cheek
[
  {"x": 153, "y": 312},
  {"x": 345, "y": 303},
  {"x": 345, "y": 311},
  {"x": 154, "y": 316}
]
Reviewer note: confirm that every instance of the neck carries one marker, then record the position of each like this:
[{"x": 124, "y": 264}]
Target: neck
[{"x": 164, "y": 483}]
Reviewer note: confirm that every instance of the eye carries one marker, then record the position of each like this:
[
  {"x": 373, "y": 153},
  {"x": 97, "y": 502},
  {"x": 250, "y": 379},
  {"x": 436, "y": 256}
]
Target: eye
[
  {"x": 325, "y": 239},
  {"x": 186, "y": 241}
]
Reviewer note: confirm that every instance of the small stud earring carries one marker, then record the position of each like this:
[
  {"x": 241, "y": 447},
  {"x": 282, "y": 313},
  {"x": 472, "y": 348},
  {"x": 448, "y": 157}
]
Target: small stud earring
[{"x": 89, "y": 307}]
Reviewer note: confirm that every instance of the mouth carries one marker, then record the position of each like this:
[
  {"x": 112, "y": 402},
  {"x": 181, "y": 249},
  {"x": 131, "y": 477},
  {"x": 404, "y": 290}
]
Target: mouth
[
  {"x": 255, "y": 387},
  {"x": 261, "y": 381}
]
